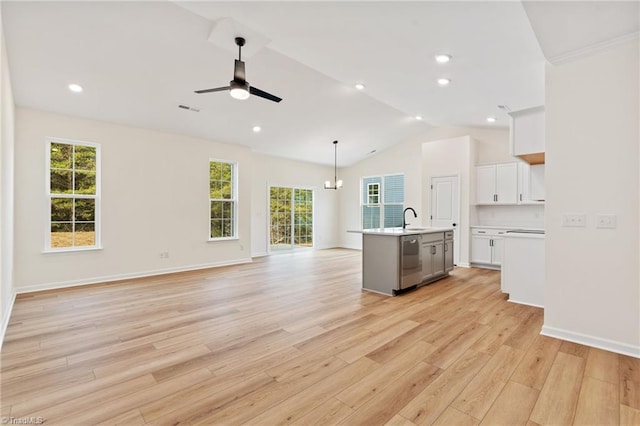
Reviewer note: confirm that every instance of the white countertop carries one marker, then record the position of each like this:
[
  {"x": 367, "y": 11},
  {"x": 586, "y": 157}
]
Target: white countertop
[
  {"x": 399, "y": 231},
  {"x": 508, "y": 228},
  {"x": 522, "y": 235}
]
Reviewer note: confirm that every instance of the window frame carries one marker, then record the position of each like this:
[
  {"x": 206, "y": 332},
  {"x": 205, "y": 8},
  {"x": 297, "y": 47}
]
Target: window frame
[
  {"x": 369, "y": 195},
  {"x": 97, "y": 197},
  {"x": 234, "y": 198},
  {"x": 381, "y": 198}
]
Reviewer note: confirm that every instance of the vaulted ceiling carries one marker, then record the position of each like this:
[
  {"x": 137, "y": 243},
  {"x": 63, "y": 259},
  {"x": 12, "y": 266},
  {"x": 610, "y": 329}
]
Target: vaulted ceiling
[{"x": 137, "y": 61}]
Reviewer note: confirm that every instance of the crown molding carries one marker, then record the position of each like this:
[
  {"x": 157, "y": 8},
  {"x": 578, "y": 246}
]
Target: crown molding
[{"x": 594, "y": 48}]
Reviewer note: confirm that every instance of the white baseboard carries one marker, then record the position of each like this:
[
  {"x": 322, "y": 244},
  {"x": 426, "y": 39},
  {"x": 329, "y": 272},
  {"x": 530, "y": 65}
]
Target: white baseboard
[
  {"x": 261, "y": 254},
  {"x": 463, "y": 265},
  {"x": 485, "y": 266},
  {"x": 525, "y": 303},
  {"x": 120, "y": 277},
  {"x": 6, "y": 317},
  {"x": 350, "y": 247},
  {"x": 596, "y": 342}
]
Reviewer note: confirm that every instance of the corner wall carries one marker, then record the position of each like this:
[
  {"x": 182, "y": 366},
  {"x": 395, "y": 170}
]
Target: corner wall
[
  {"x": 592, "y": 290},
  {"x": 7, "y": 293},
  {"x": 452, "y": 157}
]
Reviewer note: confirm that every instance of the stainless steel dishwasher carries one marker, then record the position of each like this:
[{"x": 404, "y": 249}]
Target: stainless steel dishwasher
[{"x": 410, "y": 261}]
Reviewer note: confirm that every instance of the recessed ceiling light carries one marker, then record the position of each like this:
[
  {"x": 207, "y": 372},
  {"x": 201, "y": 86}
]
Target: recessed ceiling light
[
  {"x": 256, "y": 129},
  {"x": 75, "y": 88},
  {"x": 360, "y": 86},
  {"x": 418, "y": 117},
  {"x": 443, "y": 58},
  {"x": 491, "y": 119},
  {"x": 444, "y": 81}
]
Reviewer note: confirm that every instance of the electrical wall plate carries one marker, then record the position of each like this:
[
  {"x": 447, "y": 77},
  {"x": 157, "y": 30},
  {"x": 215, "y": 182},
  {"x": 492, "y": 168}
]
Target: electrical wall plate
[
  {"x": 574, "y": 220},
  {"x": 606, "y": 221}
]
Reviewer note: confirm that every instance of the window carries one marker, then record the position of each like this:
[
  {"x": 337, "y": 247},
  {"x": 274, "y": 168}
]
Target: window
[
  {"x": 373, "y": 193},
  {"x": 73, "y": 174},
  {"x": 222, "y": 200},
  {"x": 291, "y": 217},
  {"x": 382, "y": 201}
]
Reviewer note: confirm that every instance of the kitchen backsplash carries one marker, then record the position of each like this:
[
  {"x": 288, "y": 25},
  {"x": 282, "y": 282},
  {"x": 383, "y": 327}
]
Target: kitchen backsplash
[{"x": 524, "y": 216}]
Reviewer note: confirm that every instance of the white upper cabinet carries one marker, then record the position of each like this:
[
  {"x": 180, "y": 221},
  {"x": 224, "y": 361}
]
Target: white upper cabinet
[
  {"x": 507, "y": 183},
  {"x": 497, "y": 184},
  {"x": 486, "y": 184},
  {"x": 536, "y": 184},
  {"x": 530, "y": 183},
  {"x": 527, "y": 134}
]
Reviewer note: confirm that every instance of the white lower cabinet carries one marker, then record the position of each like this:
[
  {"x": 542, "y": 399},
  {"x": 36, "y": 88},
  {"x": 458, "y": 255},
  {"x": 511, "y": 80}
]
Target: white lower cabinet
[{"x": 487, "y": 246}]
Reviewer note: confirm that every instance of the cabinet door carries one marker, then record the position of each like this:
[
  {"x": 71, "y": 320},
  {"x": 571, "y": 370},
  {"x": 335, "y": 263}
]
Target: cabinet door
[
  {"x": 485, "y": 184},
  {"x": 536, "y": 183},
  {"x": 497, "y": 251},
  {"x": 437, "y": 258},
  {"x": 480, "y": 249},
  {"x": 448, "y": 255},
  {"x": 507, "y": 183},
  {"x": 427, "y": 264},
  {"x": 523, "y": 182}
]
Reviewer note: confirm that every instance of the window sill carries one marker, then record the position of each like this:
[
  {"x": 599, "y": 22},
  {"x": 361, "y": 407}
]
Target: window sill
[
  {"x": 213, "y": 240},
  {"x": 71, "y": 250}
]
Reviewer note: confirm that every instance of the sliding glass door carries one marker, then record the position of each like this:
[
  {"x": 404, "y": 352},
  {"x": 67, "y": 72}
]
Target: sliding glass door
[{"x": 291, "y": 218}]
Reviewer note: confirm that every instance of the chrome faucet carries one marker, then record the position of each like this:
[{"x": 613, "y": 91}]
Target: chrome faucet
[{"x": 404, "y": 222}]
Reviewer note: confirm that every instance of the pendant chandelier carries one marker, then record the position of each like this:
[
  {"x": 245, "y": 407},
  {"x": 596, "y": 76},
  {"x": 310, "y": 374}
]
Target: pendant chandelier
[{"x": 337, "y": 184}]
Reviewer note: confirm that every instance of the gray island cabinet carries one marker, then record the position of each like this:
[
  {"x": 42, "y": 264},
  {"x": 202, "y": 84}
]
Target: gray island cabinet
[{"x": 396, "y": 259}]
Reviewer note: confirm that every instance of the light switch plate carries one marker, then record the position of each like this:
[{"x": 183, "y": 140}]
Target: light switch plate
[
  {"x": 606, "y": 221},
  {"x": 574, "y": 220}
]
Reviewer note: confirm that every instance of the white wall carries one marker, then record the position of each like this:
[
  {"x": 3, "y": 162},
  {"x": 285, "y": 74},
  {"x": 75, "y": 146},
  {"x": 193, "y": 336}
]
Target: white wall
[
  {"x": 592, "y": 290},
  {"x": 155, "y": 190},
  {"x": 7, "y": 292},
  {"x": 407, "y": 158},
  {"x": 523, "y": 216},
  {"x": 451, "y": 157},
  {"x": 273, "y": 171}
]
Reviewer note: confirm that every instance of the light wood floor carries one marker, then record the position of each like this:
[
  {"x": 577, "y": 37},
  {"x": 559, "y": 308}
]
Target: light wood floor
[{"x": 291, "y": 339}]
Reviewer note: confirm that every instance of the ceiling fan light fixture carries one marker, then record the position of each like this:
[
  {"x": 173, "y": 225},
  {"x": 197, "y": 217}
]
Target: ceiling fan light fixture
[
  {"x": 238, "y": 87},
  {"x": 239, "y": 90}
]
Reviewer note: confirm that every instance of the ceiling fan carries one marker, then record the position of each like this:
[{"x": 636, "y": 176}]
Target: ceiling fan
[{"x": 239, "y": 87}]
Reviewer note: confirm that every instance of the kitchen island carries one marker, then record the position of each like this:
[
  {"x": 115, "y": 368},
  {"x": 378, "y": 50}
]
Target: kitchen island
[{"x": 396, "y": 259}]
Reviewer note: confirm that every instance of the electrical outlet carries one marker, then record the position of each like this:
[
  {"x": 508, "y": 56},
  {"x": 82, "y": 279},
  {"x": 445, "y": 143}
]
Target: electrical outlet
[
  {"x": 606, "y": 221},
  {"x": 164, "y": 255},
  {"x": 575, "y": 220}
]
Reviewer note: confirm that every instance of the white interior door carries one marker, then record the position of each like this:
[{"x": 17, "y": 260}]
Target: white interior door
[{"x": 445, "y": 207}]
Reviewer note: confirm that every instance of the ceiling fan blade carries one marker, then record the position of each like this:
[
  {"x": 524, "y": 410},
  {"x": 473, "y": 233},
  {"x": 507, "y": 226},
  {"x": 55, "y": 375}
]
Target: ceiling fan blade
[
  {"x": 217, "y": 89},
  {"x": 263, "y": 94},
  {"x": 238, "y": 71}
]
